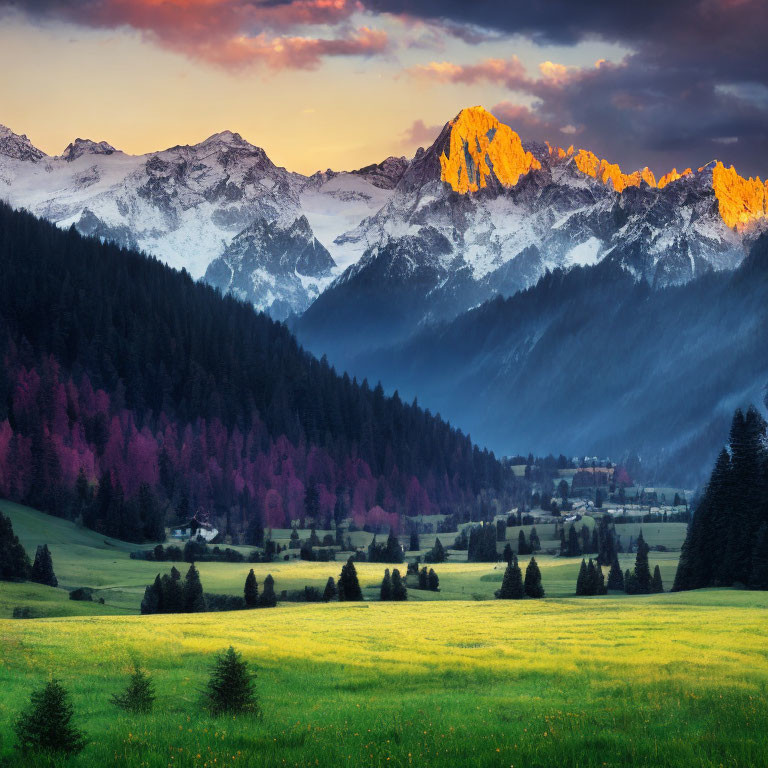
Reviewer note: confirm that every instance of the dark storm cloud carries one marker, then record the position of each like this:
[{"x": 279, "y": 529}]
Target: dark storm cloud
[{"x": 694, "y": 86}]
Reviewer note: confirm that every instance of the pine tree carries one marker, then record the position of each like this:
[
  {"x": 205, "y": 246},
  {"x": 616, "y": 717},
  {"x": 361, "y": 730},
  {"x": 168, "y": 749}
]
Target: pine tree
[
  {"x": 630, "y": 582},
  {"x": 268, "y": 596},
  {"x": 414, "y": 545},
  {"x": 172, "y": 593},
  {"x": 399, "y": 591},
  {"x": 505, "y": 593},
  {"x": 139, "y": 695},
  {"x": 615, "y": 576},
  {"x": 194, "y": 599},
  {"x": 522, "y": 544},
  {"x": 532, "y": 585},
  {"x": 657, "y": 585},
  {"x": 433, "y": 582},
  {"x": 330, "y": 592},
  {"x": 436, "y": 554},
  {"x": 349, "y": 586},
  {"x": 581, "y": 579},
  {"x": 386, "y": 586},
  {"x": 642, "y": 569},
  {"x": 14, "y": 563},
  {"x": 46, "y": 725},
  {"x": 600, "y": 588},
  {"x": 394, "y": 552},
  {"x": 533, "y": 541},
  {"x": 574, "y": 548},
  {"x": 251, "y": 590},
  {"x": 231, "y": 687},
  {"x": 423, "y": 579},
  {"x": 512, "y": 585},
  {"x": 508, "y": 554},
  {"x": 42, "y": 569},
  {"x": 153, "y": 595}
]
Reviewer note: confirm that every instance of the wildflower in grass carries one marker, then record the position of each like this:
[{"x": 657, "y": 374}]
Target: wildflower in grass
[
  {"x": 231, "y": 687},
  {"x": 46, "y": 726},
  {"x": 139, "y": 695}
]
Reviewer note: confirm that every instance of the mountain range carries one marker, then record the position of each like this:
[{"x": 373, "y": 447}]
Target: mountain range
[
  {"x": 478, "y": 213},
  {"x": 619, "y": 291}
]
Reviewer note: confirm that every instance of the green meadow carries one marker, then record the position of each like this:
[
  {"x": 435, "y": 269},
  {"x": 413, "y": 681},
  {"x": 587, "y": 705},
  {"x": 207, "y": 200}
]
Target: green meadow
[{"x": 446, "y": 679}]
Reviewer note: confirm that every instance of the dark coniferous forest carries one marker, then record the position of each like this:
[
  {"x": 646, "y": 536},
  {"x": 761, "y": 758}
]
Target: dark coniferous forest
[{"x": 131, "y": 395}]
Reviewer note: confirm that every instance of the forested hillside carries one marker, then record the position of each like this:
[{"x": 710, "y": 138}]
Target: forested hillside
[{"x": 130, "y": 394}]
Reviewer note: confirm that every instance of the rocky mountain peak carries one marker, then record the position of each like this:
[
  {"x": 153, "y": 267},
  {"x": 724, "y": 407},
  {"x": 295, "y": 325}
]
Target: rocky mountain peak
[
  {"x": 18, "y": 147},
  {"x": 385, "y": 174},
  {"x": 80, "y": 147},
  {"x": 476, "y": 150}
]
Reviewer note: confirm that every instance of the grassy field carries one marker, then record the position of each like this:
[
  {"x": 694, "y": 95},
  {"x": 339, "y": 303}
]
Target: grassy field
[
  {"x": 83, "y": 558},
  {"x": 447, "y": 679},
  {"x": 668, "y": 680}
]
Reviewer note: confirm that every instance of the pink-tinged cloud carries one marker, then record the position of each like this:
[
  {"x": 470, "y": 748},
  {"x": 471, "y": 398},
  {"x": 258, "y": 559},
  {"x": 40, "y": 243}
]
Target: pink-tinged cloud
[
  {"x": 507, "y": 72},
  {"x": 233, "y": 33},
  {"x": 420, "y": 134}
]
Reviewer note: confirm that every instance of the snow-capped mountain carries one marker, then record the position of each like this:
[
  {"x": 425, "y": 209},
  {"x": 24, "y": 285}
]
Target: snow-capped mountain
[
  {"x": 202, "y": 207},
  {"x": 479, "y": 213}
]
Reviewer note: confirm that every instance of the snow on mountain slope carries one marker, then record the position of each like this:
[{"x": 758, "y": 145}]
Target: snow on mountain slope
[
  {"x": 188, "y": 204},
  {"x": 509, "y": 210}
]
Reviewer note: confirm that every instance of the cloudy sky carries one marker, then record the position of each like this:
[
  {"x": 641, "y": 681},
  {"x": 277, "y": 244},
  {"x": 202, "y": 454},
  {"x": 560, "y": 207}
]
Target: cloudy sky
[{"x": 342, "y": 83}]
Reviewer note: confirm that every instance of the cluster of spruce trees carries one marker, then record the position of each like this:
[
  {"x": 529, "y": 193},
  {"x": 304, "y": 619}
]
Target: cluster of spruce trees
[
  {"x": 727, "y": 541},
  {"x": 515, "y": 587},
  {"x": 46, "y": 729},
  {"x": 14, "y": 561},
  {"x": 393, "y": 586},
  {"x": 390, "y": 552}
]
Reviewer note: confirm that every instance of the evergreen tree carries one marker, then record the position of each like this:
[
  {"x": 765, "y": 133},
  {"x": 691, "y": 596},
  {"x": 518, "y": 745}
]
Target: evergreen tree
[
  {"x": 630, "y": 583},
  {"x": 522, "y": 544},
  {"x": 600, "y": 588},
  {"x": 532, "y": 585},
  {"x": 254, "y": 533},
  {"x": 437, "y": 554},
  {"x": 268, "y": 596},
  {"x": 386, "y": 586},
  {"x": 615, "y": 576},
  {"x": 399, "y": 591},
  {"x": 585, "y": 539},
  {"x": 153, "y": 595},
  {"x": 574, "y": 548},
  {"x": 172, "y": 591},
  {"x": 423, "y": 579},
  {"x": 433, "y": 582},
  {"x": 512, "y": 584},
  {"x": 414, "y": 545},
  {"x": 564, "y": 550},
  {"x": 581, "y": 579},
  {"x": 46, "y": 725},
  {"x": 348, "y": 585},
  {"x": 508, "y": 553},
  {"x": 394, "y": 552},
  {"x": 330, "y": 592},
  {"x": 657, "y": 585},
  {"x": 642, "y": 569},
  {"x": 533, "y": 541},
  {"x": 590, "y": 584},
  {"x": 251, "y": 590},
  {"x": 14, "y": 563},
  {"x": 42, "y": 569},
  {"x": 231, "y": 688},
  {"x": 194, "y": 600},
  {"x": 139, "y": 695}
]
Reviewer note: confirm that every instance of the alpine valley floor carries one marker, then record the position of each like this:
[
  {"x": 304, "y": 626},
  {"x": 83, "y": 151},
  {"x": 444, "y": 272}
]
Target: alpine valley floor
[{"x": 665, "y": 680}]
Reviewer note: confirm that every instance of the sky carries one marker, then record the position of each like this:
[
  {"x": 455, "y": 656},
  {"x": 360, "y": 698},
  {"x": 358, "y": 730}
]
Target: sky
[{"x": 344, "y": 83}]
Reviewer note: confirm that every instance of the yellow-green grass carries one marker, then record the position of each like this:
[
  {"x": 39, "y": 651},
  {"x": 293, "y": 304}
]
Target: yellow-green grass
[
  {"x": 670, "y": 680},
  {"x": 85, "y": 558}
]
